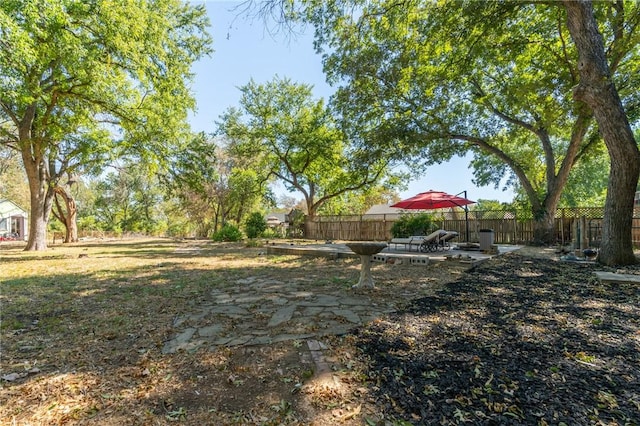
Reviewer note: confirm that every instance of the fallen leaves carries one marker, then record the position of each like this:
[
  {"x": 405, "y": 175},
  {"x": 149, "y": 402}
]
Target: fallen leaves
[{"x": 530, "y": 352}]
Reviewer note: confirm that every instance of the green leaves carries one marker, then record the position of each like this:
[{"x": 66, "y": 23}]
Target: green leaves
[
  {"x": 285, "y": 134},
  {"x": 82, "y": 81},
  {"x": 126, "y": 64},
  {"x": 423, "y": 80}
]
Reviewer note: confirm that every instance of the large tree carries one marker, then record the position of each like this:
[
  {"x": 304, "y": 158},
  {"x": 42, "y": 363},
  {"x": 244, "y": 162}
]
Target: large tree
[
  {"x": 65, "y": 209},
  {"x": 289, "y": 135},
  {"x": 606, "y": 36},
  {"x": 72, "y": 156},
  {"x": 598, "y": 89},
  {"x": 436, "y": 79},
  {"x": 441, "y": 78},
  {"x": 97, "y": 73}
]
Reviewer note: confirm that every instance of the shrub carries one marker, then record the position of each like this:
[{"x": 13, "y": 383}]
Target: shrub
[
  {"x": 408, "y": 225},
  {"x": 227, "y": 233},
  {"x": 255, "y": 225},
  {"x": 88, "y": 223},
  {"x": 272, "y": 233},
  {"x": 253, "y": 243}
]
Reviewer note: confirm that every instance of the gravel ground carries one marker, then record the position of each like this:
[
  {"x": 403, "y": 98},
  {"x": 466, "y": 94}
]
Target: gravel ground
[{"x": 519, "y": 340}]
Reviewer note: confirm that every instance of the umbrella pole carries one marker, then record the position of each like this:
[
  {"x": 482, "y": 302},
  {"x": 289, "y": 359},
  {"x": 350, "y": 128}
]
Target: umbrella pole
[{"x": 466, "y": 217}]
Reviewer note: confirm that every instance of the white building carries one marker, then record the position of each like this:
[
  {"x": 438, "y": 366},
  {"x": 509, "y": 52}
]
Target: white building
[
  {"x": 384, "y": 210},
  {"x": 13, "y": 220}
]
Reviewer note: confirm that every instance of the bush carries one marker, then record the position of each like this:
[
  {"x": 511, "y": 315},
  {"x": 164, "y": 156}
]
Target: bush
[
  {"x": 88, "y": 223},
  {"x": 255, "y": 225},
  {"x": 228, "y": 233},
  {"x": 253, "y": 243},
  {"x": 408, "y": 225},
  {"x": 272, "y": 233}
]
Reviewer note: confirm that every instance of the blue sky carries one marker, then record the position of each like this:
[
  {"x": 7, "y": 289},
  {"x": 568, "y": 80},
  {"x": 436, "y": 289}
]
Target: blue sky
[{"x": 244, "y": 49}]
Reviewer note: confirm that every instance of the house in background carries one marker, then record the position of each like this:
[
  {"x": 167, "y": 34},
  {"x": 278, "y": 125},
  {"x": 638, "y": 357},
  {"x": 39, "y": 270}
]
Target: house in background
[
  {"x": 13, "y": 221},
  {"x": 384, "y": 210},
  {"x": 278, "y": 222},
  {"x": 286, "y": 224}
]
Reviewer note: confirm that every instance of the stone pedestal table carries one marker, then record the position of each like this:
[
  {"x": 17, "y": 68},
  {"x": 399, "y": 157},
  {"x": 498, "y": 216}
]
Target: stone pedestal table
[{"x": 366, "y": 250}]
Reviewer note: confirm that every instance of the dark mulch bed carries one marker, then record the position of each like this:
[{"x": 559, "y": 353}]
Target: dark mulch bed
[{"x": 517, "y": 340}]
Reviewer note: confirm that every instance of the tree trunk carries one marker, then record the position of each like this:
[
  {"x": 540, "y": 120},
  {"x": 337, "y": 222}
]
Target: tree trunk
[
  {"x": 41, "y": 203},
  {"x": 597, "y": 90},
  {"x": 544, "y": 227},
  {"x": 68, "y": 218}
]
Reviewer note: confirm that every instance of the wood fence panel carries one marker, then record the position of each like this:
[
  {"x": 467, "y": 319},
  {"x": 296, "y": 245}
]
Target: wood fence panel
[{"x": 509, "y": 227}]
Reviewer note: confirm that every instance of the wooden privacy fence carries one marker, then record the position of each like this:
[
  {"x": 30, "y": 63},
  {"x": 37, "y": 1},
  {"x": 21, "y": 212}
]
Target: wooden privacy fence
[{"x": 509, "y": 226}]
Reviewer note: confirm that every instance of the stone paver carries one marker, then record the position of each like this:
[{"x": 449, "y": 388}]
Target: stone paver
[
  {"x": 211, "y": 330},
  {"x": 260, "y": 311},
  {"x": 322, "y": 300},
  {"x": 282, "y": 315},
  {"x": 348, "y": 315},
  {"x": 180, "y": 341},
  {"x": 610, "y": 277},
  {"x": 233, "y": 311}
]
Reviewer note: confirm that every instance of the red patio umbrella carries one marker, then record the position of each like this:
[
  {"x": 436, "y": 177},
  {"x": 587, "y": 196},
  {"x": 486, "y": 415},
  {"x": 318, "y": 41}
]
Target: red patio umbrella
[{"x": 432, "y": 200}]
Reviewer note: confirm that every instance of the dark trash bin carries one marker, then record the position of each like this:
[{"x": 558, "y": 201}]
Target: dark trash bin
[{"x": 486, "y": 237}]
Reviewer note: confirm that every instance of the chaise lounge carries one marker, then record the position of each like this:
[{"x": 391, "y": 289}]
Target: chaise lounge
[
  {"x": 446, "y": 238},
  {"x": 407, "y": 242},
  {"x": 422, "y": 243},
  {"x": 432, "y": 241}
]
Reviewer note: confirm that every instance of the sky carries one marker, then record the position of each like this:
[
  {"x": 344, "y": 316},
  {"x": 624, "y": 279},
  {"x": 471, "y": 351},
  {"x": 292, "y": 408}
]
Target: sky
[{"x": 245, "y": 49}]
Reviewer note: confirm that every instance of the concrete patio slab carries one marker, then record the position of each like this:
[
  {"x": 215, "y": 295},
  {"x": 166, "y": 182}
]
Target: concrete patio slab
[
  {"x": 611, "y": 277},
  {"x": 339, "y": 250}
]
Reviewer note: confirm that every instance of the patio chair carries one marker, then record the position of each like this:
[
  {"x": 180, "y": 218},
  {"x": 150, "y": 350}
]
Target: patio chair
[
  {"x": 432, "y": 241},
  {"x": 446, "y": 238},
  {"x": 408, "y": 242}
]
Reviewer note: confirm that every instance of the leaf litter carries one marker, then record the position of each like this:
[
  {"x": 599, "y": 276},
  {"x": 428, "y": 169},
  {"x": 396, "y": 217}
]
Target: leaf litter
[
  {"x": 521, "y": 339},
  {"x": 549, "y": 346}
]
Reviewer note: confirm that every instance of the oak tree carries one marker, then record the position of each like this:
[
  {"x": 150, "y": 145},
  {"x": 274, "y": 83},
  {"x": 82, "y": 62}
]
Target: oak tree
[
  {"x": 290, "y": 136},
  {"x": 99, "y": 75},
  {"x": 438, "y": 79},
  {"x": 494, "y": 78},
  {"x": 598, "y": 89}
]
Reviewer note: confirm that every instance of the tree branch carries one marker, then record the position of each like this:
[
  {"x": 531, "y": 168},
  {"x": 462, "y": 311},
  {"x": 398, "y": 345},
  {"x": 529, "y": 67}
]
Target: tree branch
[{"x": 515, "y": 167}]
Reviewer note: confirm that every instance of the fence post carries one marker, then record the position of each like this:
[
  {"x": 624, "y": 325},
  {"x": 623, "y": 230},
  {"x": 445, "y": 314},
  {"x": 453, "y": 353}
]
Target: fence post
[
  {"x": 562, "y": 226},
  {"x": 384, "y": 228},
  {"x": 583, "y": 233}
]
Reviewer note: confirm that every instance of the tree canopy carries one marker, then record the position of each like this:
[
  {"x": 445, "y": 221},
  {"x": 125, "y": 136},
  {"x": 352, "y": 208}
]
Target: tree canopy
[
  {"x": 289, "y": 135},
  {"x": 437, "y": 79},
  {"x": 81, "y": 79}
]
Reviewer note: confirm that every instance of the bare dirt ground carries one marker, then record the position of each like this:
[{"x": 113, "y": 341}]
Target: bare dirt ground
[{"x": 524, "y": 339}]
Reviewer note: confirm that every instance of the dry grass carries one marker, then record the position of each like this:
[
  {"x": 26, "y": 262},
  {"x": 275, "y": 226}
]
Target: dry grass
[{"x": 83, "y": 326}]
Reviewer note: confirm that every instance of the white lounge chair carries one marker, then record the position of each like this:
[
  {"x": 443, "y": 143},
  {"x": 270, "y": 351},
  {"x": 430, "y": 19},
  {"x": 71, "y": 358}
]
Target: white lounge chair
[
  {"x": 446, "y": 238},
  {"x": 408, "y": 242},
  {"x": 432, "y": 241},
  {"x": 420, "y": 242}
]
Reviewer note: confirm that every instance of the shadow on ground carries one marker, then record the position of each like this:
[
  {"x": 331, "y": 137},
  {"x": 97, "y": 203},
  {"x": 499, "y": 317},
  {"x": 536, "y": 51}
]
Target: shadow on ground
[{"x": 516, "y": 340}]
